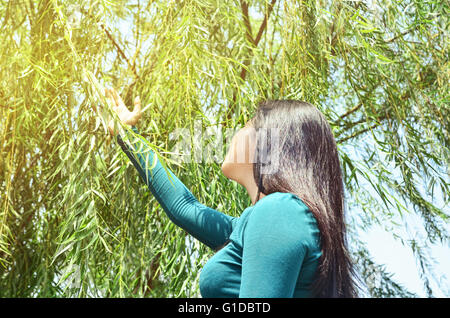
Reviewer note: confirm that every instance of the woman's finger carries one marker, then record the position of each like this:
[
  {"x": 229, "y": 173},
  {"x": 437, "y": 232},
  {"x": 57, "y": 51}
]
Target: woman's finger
[
  {"x": 137, "y": 105},
  {"x": 112, "y": 98},
  {"x": 109, "y": 96},
  {"x": 117, "y": 98},
  {"x": 106, "y": 93}
]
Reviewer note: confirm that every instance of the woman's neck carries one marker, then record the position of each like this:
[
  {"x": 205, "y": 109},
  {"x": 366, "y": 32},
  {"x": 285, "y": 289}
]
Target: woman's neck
[{"x": 250, "y": 185}]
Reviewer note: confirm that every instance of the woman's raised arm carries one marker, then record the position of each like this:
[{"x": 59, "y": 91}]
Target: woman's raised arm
[{"x": 209, "y": 226}]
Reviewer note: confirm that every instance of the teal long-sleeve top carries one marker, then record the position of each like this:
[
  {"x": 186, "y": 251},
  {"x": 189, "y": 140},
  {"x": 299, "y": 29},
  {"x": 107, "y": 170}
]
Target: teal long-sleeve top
[{"x": 274, "y": 246}]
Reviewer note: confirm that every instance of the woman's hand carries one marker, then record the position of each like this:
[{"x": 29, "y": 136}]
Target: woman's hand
[{"x": 118, "y": 106}]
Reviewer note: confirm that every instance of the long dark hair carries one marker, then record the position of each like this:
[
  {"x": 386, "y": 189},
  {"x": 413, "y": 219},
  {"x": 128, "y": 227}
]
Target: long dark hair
[{"x": 308, "y": 166}]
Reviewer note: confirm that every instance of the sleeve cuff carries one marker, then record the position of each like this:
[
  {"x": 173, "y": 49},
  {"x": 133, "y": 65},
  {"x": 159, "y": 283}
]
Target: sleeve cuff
[{"x": 119, "y": 138}]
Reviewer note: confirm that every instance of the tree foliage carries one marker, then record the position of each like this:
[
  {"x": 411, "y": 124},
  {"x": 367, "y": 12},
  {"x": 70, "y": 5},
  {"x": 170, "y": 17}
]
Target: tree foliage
[{"x": 76, "y": 220}]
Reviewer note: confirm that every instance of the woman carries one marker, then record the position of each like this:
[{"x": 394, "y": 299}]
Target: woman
[{"x": 292, "y": 241}]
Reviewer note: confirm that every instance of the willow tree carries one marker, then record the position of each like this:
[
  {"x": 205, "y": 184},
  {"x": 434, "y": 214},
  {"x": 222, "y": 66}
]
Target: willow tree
[{"x": 76, "y": 220}]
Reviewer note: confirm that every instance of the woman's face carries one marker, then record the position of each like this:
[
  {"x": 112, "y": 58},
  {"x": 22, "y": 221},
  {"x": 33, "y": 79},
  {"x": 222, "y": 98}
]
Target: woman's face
[{"x": 238, "y": 162}]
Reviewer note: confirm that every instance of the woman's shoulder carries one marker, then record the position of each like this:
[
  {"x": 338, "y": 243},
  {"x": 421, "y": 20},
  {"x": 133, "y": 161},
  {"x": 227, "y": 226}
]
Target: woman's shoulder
[
  {"x": 283, "y": 212},
  {"x": 282, "y": 205}
]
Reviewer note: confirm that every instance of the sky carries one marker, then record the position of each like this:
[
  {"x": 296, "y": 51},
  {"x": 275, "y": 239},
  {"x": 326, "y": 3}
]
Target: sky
[{"x": 398, "y": 259}]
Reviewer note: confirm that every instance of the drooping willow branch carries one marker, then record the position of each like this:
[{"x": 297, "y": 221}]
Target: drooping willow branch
[
  {"x": 357, "y": 133},
  {"x": 119, "y": 50},
  {"x": 122, "y": 54},
  {"x": 253, "y": 41},
  {"x": 352, "y": 110}
]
